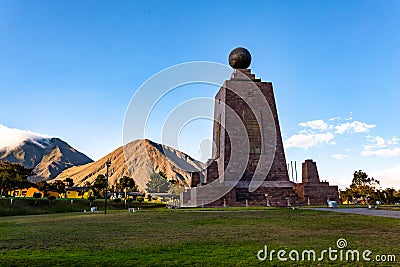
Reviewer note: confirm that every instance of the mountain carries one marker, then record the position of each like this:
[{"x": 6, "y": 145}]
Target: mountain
[
  {"x": 48, "y": 156},
  {"x": 145, "y": 157}
]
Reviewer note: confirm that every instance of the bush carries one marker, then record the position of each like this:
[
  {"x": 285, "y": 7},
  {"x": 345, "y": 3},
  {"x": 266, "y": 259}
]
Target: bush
[
  {"x": 37, "y": 195},
  {"x": 117, "y": 200}
]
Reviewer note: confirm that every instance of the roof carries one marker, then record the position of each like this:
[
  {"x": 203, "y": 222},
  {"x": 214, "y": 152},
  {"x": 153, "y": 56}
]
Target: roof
[
  {"x": 161, "y": 194},
  {"x": 134, "y": 194},
  {"x": 77, "y": 188}
]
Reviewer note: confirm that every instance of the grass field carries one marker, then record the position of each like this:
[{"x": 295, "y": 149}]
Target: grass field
[
  {"x": 31, "y": 206},
  {"x": 159, "y": 237}
]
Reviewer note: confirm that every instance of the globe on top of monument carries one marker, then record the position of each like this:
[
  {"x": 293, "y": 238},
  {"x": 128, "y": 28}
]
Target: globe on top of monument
[{"x": 240, "y": 58}]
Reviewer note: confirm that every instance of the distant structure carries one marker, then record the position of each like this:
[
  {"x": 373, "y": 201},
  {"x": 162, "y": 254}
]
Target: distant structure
[
  {"x": 248, "y": 99},
  {"x": 311, "y": 190}
]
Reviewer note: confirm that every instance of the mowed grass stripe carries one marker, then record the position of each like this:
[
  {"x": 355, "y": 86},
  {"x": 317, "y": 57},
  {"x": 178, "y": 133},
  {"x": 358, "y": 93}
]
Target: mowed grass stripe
[{"x": 184, "y": 237}]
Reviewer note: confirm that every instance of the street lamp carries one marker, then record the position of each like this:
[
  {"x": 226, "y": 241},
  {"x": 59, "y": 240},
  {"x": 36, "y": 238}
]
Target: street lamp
[{"x": 108, "y": 164}]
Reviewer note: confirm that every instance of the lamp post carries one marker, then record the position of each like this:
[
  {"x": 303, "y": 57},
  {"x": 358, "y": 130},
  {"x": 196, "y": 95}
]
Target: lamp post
[{"x": 108, "y": 164}]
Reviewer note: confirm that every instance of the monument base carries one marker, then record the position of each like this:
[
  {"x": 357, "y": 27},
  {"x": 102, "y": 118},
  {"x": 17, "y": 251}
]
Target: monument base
[{"x": 270, "y": 193}]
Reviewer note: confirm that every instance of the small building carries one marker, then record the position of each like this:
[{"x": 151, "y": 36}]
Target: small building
[
  {"x": 78, "y": 192},
  {"x": 25, "y": 192},
  {"x": 313, "y": 191},
  {"x": 51, "y": 193}
]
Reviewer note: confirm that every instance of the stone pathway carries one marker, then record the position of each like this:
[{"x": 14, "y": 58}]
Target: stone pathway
[{"x": 365, "y": 211}]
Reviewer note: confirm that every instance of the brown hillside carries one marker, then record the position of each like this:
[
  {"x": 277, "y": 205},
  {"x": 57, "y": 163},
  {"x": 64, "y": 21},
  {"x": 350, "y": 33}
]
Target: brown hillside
[
  {"x": 47, "y": 156},
  {"x": 145, "y": 157}
]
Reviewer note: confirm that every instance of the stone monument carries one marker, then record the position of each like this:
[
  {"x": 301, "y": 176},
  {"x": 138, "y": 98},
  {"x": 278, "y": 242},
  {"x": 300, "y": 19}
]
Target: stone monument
[
  {"x": 312, "y": 190},
  {"x": 249, "y": 165}
]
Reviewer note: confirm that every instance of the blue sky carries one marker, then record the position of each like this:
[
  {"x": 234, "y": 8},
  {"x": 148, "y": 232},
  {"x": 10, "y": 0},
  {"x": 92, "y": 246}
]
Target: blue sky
[{"x": 70, "y": 68}]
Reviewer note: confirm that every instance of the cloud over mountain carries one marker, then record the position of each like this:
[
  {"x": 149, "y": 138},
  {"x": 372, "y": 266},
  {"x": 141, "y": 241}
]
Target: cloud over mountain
[
  {"x": 48, "y": 156},
  {"x": 10, "y": 138}
]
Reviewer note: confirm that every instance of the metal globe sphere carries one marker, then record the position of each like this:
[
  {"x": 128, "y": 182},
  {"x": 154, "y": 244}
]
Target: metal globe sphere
[{"x": 240, "y": 58}]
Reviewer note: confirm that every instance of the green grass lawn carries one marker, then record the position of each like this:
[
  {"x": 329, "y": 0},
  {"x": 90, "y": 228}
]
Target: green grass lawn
[
  {"x": 186, "y": 237},
  {"x": 31, "y": 206}
]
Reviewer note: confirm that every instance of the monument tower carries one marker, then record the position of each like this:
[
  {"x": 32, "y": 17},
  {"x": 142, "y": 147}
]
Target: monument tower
[{"x": 248, "y": 165}]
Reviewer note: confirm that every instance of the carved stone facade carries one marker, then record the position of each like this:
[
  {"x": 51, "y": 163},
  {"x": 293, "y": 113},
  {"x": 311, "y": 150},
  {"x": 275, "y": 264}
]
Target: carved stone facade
[{"x": 251, "y": 101}]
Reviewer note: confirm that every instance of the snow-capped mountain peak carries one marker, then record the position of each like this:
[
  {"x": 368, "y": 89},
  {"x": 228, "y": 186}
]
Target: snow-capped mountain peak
[{"x": 11, "y": 138}]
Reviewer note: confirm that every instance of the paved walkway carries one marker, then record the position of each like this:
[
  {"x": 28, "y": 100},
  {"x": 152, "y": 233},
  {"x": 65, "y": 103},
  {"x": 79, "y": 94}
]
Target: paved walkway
[{"x": 365, "y": 211}]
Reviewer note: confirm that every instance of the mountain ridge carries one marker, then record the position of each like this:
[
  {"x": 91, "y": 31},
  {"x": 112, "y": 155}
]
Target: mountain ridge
[
  {"x": 137, "y": 159},
  {"x": 47, "y": 156}
]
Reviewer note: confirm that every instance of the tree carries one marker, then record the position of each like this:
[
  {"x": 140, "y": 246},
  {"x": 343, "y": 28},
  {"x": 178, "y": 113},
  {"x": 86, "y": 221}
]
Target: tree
[
  {"x": 99, "y": 185},
  {"x": 51, "y": 199},
  {"x": 176, "y": 188},
  {"x": 157, "y": 183},
  {"x": 87, "y": 184},
  {"x": 36, "y": 196},
  {"x": 362, "y": 186},
  {"x": 69, "y": 182},
  {"x": 13, "y": 176},
  {"x": 91, "y": 199},
  {"x": 126, "y": 182},
  {"x": 57, "y": 186},
  {"x": 388, "y": 196},
  {"x": 42, "y": 186},
  {"x": 6, "y": 182}
]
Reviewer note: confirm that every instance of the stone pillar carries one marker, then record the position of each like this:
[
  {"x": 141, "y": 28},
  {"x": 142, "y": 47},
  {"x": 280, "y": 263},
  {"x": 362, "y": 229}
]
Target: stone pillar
[
  {"x": 310, "y": 172},
  {"x": 195, "y": 179}
]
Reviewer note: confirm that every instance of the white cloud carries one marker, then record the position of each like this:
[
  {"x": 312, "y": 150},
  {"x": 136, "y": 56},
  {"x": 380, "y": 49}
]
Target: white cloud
[
  {"x": 381, "y": 147},
  {"x": 384, "y": 152},
  {"x": 315, "y": 125},
  {"x": 388, "y": 177},
  {"x": 319, "y": 131},
  {"x": 339, "y": 156},
  {"x": 334, "y": 118},
  {"x": 340, "y": 118},
  {"x": 342, "y": 183},
  {"x": 10, "y": 138},
  {"x": 353, "y": 127},
  {"x": 308, "y": 140}
]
